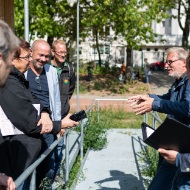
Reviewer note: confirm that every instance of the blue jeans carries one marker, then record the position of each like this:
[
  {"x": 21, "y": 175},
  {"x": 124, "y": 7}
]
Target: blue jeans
[
  {"x": 146, "y": 75},
  {"x": 164, "y": 177},
  {"x": 58, "y": 156},
  {"x": 181, "y": 181}
]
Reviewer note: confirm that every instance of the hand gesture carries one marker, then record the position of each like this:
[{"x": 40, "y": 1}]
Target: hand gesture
[
  {"x": 141, "y": 104},
  {"x": 66, "y": 122}
]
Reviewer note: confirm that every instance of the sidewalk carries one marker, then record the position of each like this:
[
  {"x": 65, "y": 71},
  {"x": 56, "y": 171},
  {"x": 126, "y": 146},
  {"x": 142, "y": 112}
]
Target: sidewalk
[{"x": 114, "y": 167}]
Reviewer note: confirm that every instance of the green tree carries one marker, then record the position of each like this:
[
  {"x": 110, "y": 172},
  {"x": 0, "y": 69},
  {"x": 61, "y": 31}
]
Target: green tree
[
  {"x": 130, "y": 19},
  {"x": 134, "y": 22},
  {"x": 51, "y": 18}
]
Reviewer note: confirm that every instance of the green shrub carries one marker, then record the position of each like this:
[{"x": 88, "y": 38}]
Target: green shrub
[
  {"x": 149, "y": 157},
  {"x": 95, "y": 135}
]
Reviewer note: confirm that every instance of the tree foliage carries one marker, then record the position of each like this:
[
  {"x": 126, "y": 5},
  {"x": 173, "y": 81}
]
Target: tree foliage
[{"x": 130, "y": 19}]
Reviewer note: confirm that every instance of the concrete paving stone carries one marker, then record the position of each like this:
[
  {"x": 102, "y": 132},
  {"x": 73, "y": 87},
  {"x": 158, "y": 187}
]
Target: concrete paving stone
[{"x": 114, "y": 167}]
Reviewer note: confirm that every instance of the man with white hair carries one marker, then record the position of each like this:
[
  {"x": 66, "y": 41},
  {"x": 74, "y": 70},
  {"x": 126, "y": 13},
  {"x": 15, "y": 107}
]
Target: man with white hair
[
  {"x": 175, "y": 103},
  {"x": 8, "y": 46}
]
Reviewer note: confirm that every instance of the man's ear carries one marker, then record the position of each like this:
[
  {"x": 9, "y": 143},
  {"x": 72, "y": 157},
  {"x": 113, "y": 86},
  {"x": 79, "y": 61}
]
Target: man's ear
[{"x": 184, "y": 62}]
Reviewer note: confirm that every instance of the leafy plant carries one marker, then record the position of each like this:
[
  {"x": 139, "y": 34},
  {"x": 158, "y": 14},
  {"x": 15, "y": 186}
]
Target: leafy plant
[
  {"x": 95, "y": 135},
  {"x": 149, "y": 157}
]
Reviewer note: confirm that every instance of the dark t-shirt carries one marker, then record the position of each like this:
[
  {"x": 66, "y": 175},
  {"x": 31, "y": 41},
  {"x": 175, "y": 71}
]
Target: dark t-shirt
[{"x": 39, "y": 86}]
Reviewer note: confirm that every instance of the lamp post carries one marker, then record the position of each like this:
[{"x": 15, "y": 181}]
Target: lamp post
[
  {"x": 71, "y": 2},
  {"x": 26, "y": 20}
]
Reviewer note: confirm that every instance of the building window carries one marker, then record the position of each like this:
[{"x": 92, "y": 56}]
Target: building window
[
  {"x": 94, "y": 50},
  {"x": 101, "y": 48},
  {"x": 163, "y": 23},
  {"x": 107, "y": 49},
  {"x": 80, "y": 51},
  {"x": 170, "y": 22},
  {"x": 107, "y": 30}
]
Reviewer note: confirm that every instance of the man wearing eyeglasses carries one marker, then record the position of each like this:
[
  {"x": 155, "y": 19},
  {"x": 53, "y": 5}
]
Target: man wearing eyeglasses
[
  {"x": 66, "y": 75},
  {"x": 176, "y": 103}
]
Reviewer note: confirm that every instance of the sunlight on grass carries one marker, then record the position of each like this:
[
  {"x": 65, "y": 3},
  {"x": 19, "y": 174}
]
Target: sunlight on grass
[{"x": 120, "y": 118}]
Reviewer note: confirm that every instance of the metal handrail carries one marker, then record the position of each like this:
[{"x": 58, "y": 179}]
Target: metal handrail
[
  {"x": 32, "y": 168},
  {"x": 155, "y": 118}
]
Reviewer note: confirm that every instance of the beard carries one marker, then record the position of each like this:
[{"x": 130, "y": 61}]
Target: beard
[
  {"x": 36, "y": 66},
  {"x": 175, "y": 75}
]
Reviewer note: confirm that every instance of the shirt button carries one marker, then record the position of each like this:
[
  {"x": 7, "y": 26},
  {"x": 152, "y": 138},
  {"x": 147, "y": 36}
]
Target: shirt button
[{"x": 187, "y": 169}]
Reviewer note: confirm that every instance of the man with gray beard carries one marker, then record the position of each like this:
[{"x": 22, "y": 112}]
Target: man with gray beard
[{"x": 176, "y": 104}]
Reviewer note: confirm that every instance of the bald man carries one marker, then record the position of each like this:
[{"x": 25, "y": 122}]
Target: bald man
[{"x": 43, "y": 82}]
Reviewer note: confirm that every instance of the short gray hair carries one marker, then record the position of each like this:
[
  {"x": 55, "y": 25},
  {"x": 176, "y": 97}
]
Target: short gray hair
[
  {"x": 8, "y": 40},
  {"x": 181, "y": 52}
]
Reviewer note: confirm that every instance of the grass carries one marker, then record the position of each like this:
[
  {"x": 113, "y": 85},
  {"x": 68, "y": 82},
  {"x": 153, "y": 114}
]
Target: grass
[{"x": 120, "y": 118}]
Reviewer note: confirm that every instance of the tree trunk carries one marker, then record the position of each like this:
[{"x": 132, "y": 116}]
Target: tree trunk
[
  {"x": 129, "y": 53},
  {"x": 186, "y": 28},
  {"x": 98, "y": 49}
]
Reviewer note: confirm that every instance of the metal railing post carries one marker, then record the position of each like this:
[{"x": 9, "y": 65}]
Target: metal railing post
[
  {"x": 82, "y": 140},
  {"x": 67, "y": 160},
  {"x": 98, "y": 111},
  {"x": 33, "y": 181}
]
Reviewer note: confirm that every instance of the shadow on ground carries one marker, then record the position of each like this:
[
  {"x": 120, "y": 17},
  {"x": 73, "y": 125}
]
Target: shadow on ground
[{"x": 126, "y": 181}]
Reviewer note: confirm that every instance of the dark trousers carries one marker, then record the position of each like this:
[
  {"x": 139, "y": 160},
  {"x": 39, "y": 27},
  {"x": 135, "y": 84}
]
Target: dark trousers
[
  {"x": 17, "y": 153},
  {"x": 46, "y": 168},
  {"x": 164, "y": 177}
]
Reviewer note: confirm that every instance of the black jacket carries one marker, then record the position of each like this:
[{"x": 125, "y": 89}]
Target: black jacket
[
  {"x": 67, "y": 85},
  {"x": 16, "y": 101},
  {"x": 19, "y": 151}
]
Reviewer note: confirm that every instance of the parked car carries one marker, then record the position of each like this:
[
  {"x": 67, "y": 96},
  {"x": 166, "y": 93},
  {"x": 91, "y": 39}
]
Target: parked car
[{"x": 157, "y": 66}]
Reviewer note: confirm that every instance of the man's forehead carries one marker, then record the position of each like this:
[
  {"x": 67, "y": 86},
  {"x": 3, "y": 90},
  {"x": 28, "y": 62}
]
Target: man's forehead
[
  {"x": 60, "y": 46},
  {"x": 45, "y": 51},
  {"x": 172, "y": 54}
]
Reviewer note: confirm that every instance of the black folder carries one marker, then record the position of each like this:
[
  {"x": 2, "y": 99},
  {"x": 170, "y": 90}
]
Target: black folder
[{"x": 170, "y": 135}]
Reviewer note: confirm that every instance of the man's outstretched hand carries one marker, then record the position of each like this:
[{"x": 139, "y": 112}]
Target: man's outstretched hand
[{"x": 140, "y": 104}]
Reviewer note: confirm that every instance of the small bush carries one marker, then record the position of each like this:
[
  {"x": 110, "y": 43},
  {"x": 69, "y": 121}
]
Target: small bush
[
  {"x": 95, "y": 136},
  {"x": 149, "y": 157}
]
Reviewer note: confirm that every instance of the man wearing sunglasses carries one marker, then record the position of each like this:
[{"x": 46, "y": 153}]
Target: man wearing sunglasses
[{"x": 176, "y": 103}]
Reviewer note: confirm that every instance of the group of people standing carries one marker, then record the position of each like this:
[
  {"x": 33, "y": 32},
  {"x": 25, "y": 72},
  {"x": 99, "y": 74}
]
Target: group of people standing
[
  {"x": 34, "y": 105},
  {"x": 173, "y": 171}
]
